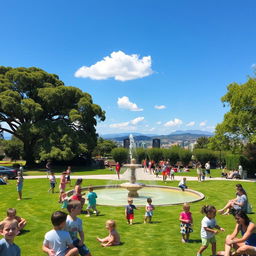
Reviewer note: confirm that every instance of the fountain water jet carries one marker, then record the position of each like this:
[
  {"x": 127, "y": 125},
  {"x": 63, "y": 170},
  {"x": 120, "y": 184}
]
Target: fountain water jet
[{"x": 132, "y": 186}]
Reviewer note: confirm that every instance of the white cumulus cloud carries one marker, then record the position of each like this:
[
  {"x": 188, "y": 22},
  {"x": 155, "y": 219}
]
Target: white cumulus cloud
[
  {"x": 125, "y": 103},
  {"x": 159, "y": 122},
  {"x": 120, "y": 66},
  {"x": 192, "y": 123},
  {"x": 174, "y": 122},
  {"x": 203, "y": 123},
  {"x": 160, "y": 106},
  {"x": 137, "y": 120},
  {"x": 119, "y": 125}
]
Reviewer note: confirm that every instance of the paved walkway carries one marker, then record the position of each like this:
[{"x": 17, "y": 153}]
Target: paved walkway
[{"x": 140, "y": 175}]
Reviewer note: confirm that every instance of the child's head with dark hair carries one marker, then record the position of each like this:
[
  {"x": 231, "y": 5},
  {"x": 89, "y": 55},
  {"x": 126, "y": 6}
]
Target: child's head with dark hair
[
  {"x": 58, "y": 218},
  {"x": 11, "y": 212},
  {"x": 90, "y": 188},
  {"x": 209, "y": 210},
  {"x": 79, "y": 181},
  {"x": 73, "y": 204},
  {"x": 149, "y": 200}
]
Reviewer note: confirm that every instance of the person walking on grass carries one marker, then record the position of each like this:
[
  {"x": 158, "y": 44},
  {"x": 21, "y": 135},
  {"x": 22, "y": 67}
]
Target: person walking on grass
[
  {"x": 19, "y": 184},
  {"x": 186, "y": 221},
  {"x": 52, "y": 180},
  {"x": 68, "y": 173},
  {"x": 129, "y": 211},
  {"x": 91, "y": 197},
  {"x": 149, "y": 211},
  {"x": 208, "y": 229}
]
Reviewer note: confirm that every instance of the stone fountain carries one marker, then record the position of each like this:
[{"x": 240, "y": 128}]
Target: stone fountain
[{"x": 132, "y": 186}]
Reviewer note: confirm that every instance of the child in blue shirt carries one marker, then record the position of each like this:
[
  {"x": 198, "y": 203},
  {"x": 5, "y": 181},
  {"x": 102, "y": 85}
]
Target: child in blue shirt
[
  {"x": 58, "y": 241},
  {"x": 9, "y": 229},
  {"x": 129, "y": 211},
  {"x": 74, "y": 226},
  {"x": 91, "y": 197}
]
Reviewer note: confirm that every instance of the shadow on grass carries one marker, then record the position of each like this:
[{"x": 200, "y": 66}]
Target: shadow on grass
[
  {"x": 23, "y": 232},
  {"x": 155, "y": 222},
  {"x": 26, "y": 198},
  {"x": 195, "y": 241}
]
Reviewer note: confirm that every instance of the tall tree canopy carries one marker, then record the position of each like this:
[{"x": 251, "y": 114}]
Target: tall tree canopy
[
  {"x": 51, "y": 119},
  {"x": 240, "y": 121}
]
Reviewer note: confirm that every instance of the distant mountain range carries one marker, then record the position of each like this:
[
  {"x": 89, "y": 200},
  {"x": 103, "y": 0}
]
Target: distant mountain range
[{"x": 177, "y": 135}]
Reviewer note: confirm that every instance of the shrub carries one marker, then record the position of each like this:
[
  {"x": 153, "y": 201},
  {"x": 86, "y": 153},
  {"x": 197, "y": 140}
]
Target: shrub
[
  {"x": 185, "y": 156},
  {"x": 120, "y": 155},
  {"x": 141, "y": 154},
  {"x": 205, "y": 155},
  {"x": 155, "y": 154},
  {"x": 172, "y": 155}
]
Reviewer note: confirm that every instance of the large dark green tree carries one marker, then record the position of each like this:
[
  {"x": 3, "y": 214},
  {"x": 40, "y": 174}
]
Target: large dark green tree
[{"x": 52, "y": 120}]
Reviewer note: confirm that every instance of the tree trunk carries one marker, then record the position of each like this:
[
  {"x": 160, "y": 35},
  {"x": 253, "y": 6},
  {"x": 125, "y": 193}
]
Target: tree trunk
[{"x": 29, "y": 153}]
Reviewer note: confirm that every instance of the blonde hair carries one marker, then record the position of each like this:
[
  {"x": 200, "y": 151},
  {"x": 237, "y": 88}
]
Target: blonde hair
[
  {"x": 8, "y": 222},
  {"x": 186, "y": 206},
  {"x": 11, "y": 211},
  {"x": 111, "y": 223}
]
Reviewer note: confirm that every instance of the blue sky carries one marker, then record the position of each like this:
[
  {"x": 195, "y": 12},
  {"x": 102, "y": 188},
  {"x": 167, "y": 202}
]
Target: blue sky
[{"x": 153, "y": 66}]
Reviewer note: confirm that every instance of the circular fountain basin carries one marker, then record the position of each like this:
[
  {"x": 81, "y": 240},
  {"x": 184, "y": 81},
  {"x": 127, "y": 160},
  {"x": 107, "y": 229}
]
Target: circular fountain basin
[{"x": 161, "y": 195}]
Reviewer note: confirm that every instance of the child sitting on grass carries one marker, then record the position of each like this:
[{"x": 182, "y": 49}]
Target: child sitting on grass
[
  {"x": 58, "y": 241},
  {"x": 11, "y": 215},
  {"x": 186, "y": 222},
  {"x": 74, "y": 226},
  {"x": 149, "y": 211},
  {"x": 113, "y": 237},
  {"x": 9, "y": 229},
  {"x": 91, "y": 197}
]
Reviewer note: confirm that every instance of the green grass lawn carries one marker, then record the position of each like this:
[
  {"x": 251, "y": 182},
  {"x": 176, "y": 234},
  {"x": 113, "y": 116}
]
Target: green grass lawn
[{"x": 160, "y": 238}]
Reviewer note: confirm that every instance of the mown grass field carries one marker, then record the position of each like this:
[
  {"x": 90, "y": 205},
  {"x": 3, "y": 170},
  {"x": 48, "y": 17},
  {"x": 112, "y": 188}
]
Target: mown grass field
[{"x": 160, "y": 238}]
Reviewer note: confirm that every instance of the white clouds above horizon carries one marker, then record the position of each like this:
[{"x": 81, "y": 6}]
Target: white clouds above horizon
[
  {"x": 118, "y": 65},
  {"x": 130, "y": 124},
  {"x": 160, "y": 106},
  {"x": 202, "y": 124},
  {"x": 192, "y": 123},
  {"x": 125, "y": 103},
  {"x": 137, "y": 120},
  {"x": 174, "y": 122}
]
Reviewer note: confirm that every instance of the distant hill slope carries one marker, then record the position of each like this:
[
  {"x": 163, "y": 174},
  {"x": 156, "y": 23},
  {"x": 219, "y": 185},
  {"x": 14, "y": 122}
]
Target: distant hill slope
[{"x": 175, "y": 136}]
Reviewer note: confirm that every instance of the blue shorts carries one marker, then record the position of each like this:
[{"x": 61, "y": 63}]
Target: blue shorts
[
  {"x": 52, "y": 185},
  {"x": 149, "y": 214},
  {"x": 83, "y": 250},
  {"x": 19, "y": 187}
]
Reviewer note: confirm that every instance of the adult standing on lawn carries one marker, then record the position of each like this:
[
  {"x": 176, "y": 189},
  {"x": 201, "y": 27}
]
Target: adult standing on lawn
[
  {"x": 208, "y": 169},
  {"x": 68, "y": 172},
  {"x": 118, "y": 167},
  {"x": 48, "y": 168}
]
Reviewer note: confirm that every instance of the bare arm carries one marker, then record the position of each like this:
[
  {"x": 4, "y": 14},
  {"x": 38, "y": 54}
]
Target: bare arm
[
  {"x": 47, "y": 250},
  {"x": 246, "y": 235},
  {"x": 81, "y": 234}
]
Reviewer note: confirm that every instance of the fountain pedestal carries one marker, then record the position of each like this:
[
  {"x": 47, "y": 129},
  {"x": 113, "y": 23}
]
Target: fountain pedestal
[{"x": 132, "y": 186}]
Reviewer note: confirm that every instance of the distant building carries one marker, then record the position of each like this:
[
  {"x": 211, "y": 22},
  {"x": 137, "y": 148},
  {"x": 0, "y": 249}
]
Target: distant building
[
  {"x": 126, "y": 143},
  {"x": 156, "y": 143}
]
